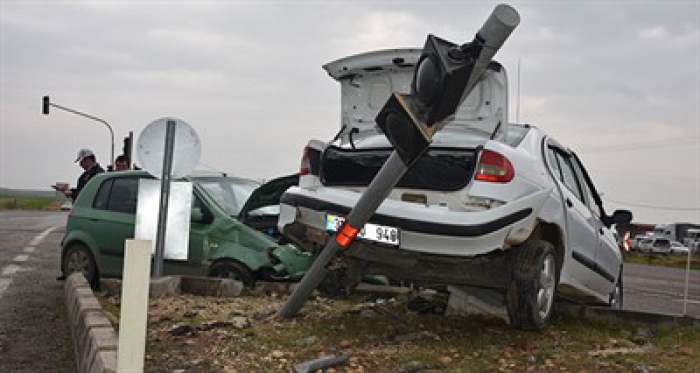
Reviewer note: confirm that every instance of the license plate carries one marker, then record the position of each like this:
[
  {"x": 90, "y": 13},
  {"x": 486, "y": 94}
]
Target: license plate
[{"x": 370, "y": 232}]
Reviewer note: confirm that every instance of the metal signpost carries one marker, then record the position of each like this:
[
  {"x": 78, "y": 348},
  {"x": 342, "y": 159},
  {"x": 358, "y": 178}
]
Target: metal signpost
[
  {"x": 164, "y": 197},
  {"x": 168, "y": 148},
  {"x": 445, "y": 75}
]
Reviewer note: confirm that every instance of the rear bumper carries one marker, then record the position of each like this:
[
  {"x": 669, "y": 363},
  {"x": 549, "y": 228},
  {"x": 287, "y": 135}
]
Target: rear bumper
[{"x": 434, "y": 231}]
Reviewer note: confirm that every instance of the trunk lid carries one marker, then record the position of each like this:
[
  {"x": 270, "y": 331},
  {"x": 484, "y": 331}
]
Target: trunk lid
[{"x": 368, "y": 79}]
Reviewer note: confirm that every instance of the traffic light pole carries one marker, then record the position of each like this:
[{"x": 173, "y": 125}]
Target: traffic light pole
[
  {"x": 492, "y": 35},
  {"x": 47, "y": 103}
]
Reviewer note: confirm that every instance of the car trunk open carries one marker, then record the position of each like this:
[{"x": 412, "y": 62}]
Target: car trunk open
[
  {"x": 441, "y": 169},
  {"x": 367, "y": 80}
]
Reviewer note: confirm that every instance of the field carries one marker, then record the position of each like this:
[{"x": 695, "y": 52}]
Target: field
[
  {"x": 673, "y": 261},
  {"x": 28, "y": 203},
  {"x": 17, "y": 199}
]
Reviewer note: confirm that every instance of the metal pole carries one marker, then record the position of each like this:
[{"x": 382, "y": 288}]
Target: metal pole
[
  {"x": 111, "y": 132},
  {"x": 164, "y": 197},
  {"x": 378, "y": 190}
]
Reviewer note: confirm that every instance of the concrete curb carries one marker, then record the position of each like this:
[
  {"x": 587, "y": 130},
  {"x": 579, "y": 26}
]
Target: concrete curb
[{"x": 94, "y": 339}]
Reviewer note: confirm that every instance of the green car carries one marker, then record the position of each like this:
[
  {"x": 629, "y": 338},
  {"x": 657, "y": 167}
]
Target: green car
[{"x": 232, "y": 234}]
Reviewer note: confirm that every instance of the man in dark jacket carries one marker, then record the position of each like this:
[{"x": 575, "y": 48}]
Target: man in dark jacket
[{"x": 86, "y": 159}]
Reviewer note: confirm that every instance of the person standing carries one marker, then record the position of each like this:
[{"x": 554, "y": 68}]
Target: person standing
[
  {"x": 86, "y": 159},
  {"x": 122, "y": 163}
]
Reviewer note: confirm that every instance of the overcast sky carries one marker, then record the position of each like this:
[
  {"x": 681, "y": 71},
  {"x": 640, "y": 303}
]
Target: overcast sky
[{"x": 617, "y": 81}]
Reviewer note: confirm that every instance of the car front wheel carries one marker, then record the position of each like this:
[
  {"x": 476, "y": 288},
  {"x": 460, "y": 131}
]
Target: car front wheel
[
  {"x": 531, "y": 292},
  {"x": 78, "y": 258},
  {"x": 233, "y": 270}
]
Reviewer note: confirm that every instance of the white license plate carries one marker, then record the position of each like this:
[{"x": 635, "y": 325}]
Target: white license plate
[{"x": 370, "y": 232}]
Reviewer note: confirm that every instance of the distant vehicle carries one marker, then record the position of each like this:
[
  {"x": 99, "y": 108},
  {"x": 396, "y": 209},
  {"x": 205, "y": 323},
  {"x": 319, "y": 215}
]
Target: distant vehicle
[
  {"x": 678, "y": 248},
  {"x": 67, "y": 205},
  {"x": 674, "y": 232},
  {"x": 656, "y": 245},
  {"x": 634, "y": 243},
  {"x": 222, "y": 242},
  {"x": 692, "y": 240},
  {"x": 492, "y": 205}
]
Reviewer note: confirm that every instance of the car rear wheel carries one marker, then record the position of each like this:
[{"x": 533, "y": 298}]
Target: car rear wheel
[
  {"x": 78, "y": 258},
  {"x": 531, "y": 292},
  {"x": 233, "y": 270}
]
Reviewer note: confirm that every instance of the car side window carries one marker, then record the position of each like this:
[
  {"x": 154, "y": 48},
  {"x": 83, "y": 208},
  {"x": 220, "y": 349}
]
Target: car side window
[
  {"x": 569, "y": 176},
  {"x": 554, "y": 163},
  {"x": 587, "y": 190},
  {"x": 123, "y": 195},
  {"x": 100, "y": 202}
]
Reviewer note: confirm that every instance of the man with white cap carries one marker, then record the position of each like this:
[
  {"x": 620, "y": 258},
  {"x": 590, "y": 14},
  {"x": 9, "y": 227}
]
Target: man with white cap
[{"x": 88, "y": 162}]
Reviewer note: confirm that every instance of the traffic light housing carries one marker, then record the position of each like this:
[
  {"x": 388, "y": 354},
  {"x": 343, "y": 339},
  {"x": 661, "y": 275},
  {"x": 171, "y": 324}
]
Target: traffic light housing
[
  {"x": 45, "y": 107},
  {"x": 438, "y": 86},
  {"x": 399, "y": 122},
  {"x": 441, "y": 75}
]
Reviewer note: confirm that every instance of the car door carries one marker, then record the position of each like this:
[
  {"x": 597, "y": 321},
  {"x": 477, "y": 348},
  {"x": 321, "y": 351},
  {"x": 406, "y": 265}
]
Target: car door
[
  {"x": 607, "y": 254},
  {"x": 113, "y": 220},
  {"x": 196, "y": 247},
  {"x": 581, "y": 234}
]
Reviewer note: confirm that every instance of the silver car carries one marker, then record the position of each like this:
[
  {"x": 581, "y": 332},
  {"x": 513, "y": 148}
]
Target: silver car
[{"x": 490, "y": 206}]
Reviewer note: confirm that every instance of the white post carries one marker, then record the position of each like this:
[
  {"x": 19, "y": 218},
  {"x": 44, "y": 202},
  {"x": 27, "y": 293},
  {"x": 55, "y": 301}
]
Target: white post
[
  {"x": 685, "y": 293},
  {"x": 134, "y": 306}
]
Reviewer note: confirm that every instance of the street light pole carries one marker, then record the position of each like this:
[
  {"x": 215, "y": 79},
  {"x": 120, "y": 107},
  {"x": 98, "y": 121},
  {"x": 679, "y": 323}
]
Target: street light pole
[{"x": 47, "y": 103}]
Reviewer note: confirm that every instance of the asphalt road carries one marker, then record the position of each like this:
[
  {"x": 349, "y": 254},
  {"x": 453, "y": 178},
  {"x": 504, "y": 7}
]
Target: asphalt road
[
  {"x": 660, "y": 290},
  {"x": 34, "y": 333}
]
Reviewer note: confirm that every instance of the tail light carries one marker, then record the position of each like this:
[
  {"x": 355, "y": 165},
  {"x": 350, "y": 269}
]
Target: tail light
[
  {"x": 494, "y": 167},
  {"x": 305, "y": 166}
]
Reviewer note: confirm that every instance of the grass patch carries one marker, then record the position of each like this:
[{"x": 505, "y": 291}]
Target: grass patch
[
  {"x": 28, "y": 203},
  {"x": 673, "y": 261}
]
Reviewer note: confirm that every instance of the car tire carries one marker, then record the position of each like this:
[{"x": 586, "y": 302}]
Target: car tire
[
  {"x": 233, "y": 270},
  {"x": 617, "y": 295},
  {"x": 531, "y": 292},
  {"x": 78, "y": 258}
]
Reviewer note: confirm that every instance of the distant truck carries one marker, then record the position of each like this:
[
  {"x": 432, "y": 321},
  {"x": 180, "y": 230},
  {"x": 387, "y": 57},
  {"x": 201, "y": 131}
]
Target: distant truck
[
  {"x": 675, "y": 232},
  {"x": 692, "y": 240}
]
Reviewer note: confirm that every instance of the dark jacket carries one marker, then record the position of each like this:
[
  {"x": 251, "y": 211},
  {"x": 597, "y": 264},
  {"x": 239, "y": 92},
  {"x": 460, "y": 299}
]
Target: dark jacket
[{"x": 84, "y": 178}]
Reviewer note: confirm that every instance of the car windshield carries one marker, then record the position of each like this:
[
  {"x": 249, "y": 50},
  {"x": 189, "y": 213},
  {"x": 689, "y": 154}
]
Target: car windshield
[{"x": 229, "y": 193}]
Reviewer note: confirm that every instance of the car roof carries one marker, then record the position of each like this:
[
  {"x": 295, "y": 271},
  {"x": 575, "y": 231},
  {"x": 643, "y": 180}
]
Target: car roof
[{"x": 196, "y": 175}]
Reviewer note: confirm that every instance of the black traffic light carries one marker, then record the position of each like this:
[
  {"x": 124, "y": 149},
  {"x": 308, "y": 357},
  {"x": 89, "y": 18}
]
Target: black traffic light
[
  {"x": 46, "y": 103},
  {"x": 404, "y": 129},
  {"x": 128, "y": 145},
  {"x": 439, "y": 81},
  {"x": 441, "y": 75}
]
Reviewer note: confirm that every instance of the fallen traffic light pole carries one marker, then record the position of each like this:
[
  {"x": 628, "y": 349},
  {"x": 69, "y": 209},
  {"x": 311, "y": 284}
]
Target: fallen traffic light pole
[{"x": 444, "y": 76}]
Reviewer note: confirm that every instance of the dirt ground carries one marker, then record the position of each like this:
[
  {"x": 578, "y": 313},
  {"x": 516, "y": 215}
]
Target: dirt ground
[{"x": 406, "y": 333}]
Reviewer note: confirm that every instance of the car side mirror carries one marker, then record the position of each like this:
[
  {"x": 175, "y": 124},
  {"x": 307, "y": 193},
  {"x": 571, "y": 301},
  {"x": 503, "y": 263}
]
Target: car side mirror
[{"x": 621, "y": 217}]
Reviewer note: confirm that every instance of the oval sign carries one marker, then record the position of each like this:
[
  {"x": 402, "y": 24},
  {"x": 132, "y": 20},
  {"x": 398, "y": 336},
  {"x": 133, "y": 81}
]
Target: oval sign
[{"x": 187, "y": 148}]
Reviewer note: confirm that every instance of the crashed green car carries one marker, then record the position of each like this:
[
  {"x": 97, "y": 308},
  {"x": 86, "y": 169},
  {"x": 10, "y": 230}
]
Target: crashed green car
[{"x": 232, "y": 232}]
